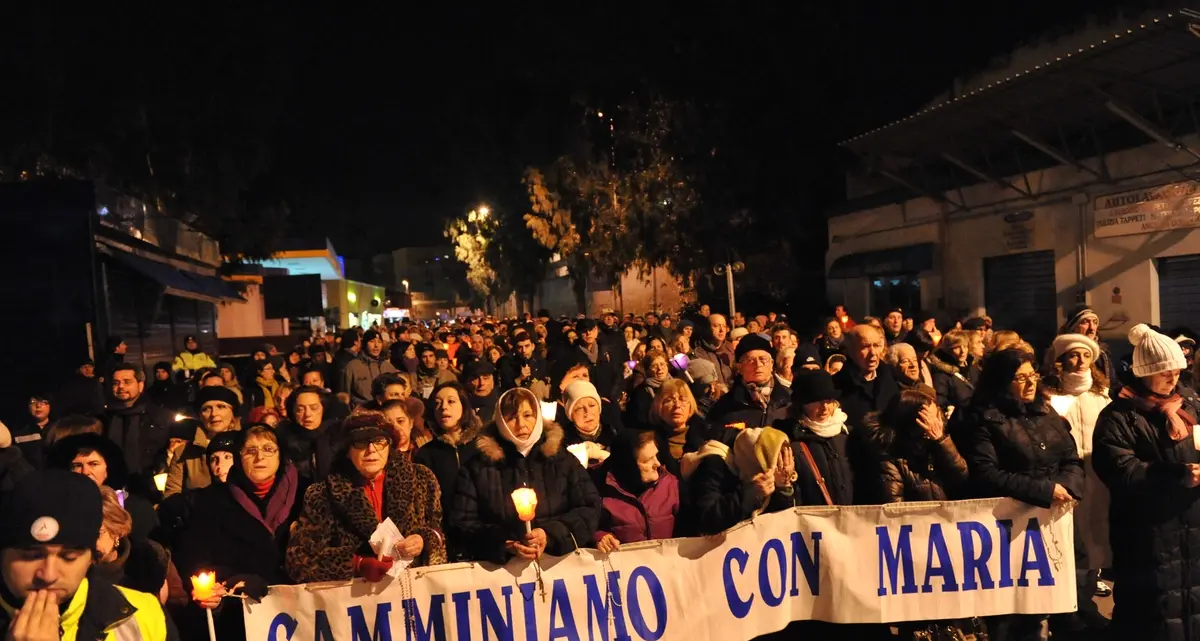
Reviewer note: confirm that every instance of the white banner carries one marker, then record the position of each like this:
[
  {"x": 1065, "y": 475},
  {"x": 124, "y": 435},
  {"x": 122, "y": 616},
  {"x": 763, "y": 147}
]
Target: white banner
[{"x": 853, "y": 564}]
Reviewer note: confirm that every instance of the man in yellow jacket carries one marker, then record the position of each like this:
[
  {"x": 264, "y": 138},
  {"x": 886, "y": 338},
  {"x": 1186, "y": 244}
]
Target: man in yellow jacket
[
  {"x": 49, "y": 524},
  {"x": 192, "y": 359}
]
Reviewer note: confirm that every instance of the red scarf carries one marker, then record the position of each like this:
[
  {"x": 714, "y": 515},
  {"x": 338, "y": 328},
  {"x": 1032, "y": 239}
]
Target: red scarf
[
  {"x": 374, "y": 491},
  {"x": 261, "y": 489},
  {"x": 1179, "y": 424}
]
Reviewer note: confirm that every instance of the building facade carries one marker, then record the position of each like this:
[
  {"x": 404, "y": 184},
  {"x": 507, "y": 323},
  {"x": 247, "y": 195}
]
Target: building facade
[{"x": 1035, "y": 189}]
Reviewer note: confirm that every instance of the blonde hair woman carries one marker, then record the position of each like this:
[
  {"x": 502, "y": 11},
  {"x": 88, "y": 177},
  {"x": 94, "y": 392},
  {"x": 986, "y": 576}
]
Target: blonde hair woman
[{"x": 678, "y": 429}]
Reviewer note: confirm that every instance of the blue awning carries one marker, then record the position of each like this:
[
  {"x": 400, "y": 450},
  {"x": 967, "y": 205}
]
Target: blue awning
[
  {"x": 177, "y": 282},
  {"x": 894, "y": 261}
]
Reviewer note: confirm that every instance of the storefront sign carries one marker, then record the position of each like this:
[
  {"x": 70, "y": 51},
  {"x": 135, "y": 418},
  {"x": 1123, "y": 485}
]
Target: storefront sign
[
  {"x": 1018, "y": 231},
  {"x": 1163, "y": 208}
]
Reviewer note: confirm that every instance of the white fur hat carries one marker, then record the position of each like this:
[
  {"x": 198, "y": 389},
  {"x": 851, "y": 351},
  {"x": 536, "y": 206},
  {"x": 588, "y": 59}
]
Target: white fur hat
[{"x": 1067, "y": 342}]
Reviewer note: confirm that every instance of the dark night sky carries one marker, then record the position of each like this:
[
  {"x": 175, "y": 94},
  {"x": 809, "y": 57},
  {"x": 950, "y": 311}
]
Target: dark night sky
[{"x": 401, "y": 119}]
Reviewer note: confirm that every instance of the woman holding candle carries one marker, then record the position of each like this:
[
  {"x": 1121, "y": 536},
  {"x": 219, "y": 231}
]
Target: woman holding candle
[
  {"x": 239, "y": 529},
  {"x": 522, "y": 450},
  {"x": 367, "y": 485}
]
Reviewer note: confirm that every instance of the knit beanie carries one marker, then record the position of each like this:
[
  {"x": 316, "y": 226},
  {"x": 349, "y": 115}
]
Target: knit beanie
[
  {"x": 1064, "y": 343},
  {"x": 1154, "y": 353},
  {"x": 576, "y": 392},
  {"x": 755, "y": 450}
]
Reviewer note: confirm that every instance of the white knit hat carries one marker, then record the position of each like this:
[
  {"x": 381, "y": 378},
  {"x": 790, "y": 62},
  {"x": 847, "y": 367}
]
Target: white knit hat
[
  {"x": 578, "y": 391},
  {"x": 1067, "y": 342},
  {"x": 1154, "y": 353}
]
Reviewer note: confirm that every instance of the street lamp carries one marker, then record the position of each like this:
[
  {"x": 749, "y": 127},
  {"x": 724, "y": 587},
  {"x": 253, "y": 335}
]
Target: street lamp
[
  {"x": 484, "y": 211},
  {"x": 728, "y": 270}
]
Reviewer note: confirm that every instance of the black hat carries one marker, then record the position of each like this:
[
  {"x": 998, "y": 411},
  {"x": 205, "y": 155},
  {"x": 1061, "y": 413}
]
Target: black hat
[
  {"x": 184, "y": 429},
  {"x": 974, "y": 324},
  {"x": 752, "y": 343},
  {"x": 189, "y": 339},
  {"x": 477, "y": 369},
  {"x": 63, "y": 452},
  {"x": 217, "y": 393},
  {"x": 425, "y": 347},
  {"x": 807, "y": 354},
  {"x": 225, "y": 442},
  {"x": 810, "y": 386},
  {"x": 52, "y": 507}
]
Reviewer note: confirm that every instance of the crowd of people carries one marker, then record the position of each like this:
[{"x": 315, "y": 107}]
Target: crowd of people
[{"x": 279, "y": 470}]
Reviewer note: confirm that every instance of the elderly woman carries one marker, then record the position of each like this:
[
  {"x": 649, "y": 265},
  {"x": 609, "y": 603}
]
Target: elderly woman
[
  {"x": 639, "y": 499},
  {"x": 218, "y": 408},
  {"x": 678, "y": 429},
  {"x": 406, "y": 418},
  {"x": 954, "y": 377},
  {"x": 1145, "y": 452},
  {"x": 239, "y": 529},
  {"x": 519, "y": 450},
  {"x": 657, "y": 371},
  {"x": 367, "y": 486},
  {"x": 585, "y": 422}
]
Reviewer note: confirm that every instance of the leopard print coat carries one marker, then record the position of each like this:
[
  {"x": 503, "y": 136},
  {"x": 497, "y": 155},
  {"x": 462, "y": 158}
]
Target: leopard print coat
[{"x": 337, "y": 521}]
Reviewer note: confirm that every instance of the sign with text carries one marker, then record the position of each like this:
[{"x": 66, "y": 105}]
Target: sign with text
[
  {"x": 1162, "y": 208},
  {"x": 852, "y": 564}
]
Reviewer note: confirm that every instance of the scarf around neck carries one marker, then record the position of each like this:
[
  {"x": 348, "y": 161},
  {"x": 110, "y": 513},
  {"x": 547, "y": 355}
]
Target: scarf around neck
[
  {"x": 1179, "y": 423},
  {"x": 1076, "y": 383},
  {"x": 279, "y": 502},
  {"x": 829, "y": 427}
]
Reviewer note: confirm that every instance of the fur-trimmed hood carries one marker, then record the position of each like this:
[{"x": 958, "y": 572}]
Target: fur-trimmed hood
[
  {"x": 495, "y": 449},
  {"x": 468, "y": 433},
  {"x": 942, "y": 363}
]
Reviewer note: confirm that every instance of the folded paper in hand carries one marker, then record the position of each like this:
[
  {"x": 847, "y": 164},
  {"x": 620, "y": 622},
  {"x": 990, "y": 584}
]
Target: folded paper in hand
[{"x": 383, "y": 543}]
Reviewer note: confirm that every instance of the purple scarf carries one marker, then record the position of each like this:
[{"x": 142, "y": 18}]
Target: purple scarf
[{"x": 279, "y": 506}]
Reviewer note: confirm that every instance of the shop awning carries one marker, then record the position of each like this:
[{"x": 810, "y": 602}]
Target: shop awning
[
  {"x": 181, "y": 283},
  {"x": 884, "y": 262}
]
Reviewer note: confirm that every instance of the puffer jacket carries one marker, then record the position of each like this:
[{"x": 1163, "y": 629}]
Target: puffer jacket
[
  {"x": 919, "y": 469},
  {"x": 484, "y": 517},
  {"x": 1019, "y": 451},
  {"x": 338, "y": 520},
  {"x": 1154, "y": 522},
  {"x": 953, "y": 383},
  {"x": 643, "y": 517}
]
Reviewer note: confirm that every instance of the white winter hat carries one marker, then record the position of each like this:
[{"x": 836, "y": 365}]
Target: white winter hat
[
  {"x": 1067, "y": 342},
  {"x": 1154, "y": 353},
  {"x": 576, "y": 392}
]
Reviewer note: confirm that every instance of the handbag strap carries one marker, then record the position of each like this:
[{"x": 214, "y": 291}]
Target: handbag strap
[{"x": 816, "y": 472}]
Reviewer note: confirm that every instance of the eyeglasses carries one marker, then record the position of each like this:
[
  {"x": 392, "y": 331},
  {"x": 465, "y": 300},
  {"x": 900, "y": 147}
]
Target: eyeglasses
[
  {"x": 761, "y": 360},
  {"x": 1025, "y": 379},
  {"x": 267, "y": 451},
  {"x": 378, "y": 444}
]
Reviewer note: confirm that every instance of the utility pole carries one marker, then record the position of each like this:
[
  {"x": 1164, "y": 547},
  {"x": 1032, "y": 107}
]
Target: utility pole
[{"x": 728, "y": 270}]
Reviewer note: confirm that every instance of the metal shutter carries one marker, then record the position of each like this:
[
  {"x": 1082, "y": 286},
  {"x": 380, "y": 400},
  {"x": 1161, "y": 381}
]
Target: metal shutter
[
  {"x": 1020, "y": 294},
  {"x": 1179, "y": 292}
]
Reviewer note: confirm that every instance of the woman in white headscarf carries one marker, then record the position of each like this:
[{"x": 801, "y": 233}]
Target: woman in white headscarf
[{"x": 522, "y": 450}]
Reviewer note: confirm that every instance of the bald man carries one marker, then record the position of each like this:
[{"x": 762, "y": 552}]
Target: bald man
[{"x": 866, "y": 382}]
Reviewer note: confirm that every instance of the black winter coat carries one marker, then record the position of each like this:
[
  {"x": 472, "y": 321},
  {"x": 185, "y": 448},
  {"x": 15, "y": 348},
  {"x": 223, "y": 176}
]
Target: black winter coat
[
  {"x": 698, "y": 432},
  {"x": 954, "y": 384},
  {"x": 835, "y": 458},
  {"x": 484, "y": 516},
  {"x": 141, "y": 431},
  {"x": 446, "y": 456},
  {"x": 861, "y": 397},
  {"x": 737, "y": 408},
  {"x": 1020, "y": 452},
  {"x": 1154, "y": 522},
  {"x": 719, "y": 498}
]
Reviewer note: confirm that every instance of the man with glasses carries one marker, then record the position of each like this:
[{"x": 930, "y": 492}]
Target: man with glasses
[
  {"x": 756, "y": 399},
  {"x": 28, "y": 435}
]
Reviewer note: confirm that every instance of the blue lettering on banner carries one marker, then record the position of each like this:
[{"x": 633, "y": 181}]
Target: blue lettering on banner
[
  {"x": 285, "y": 621},
  {"x": 658, "y": 599},
  {"x": 737, "y": 606},
  {"x": 890, "y": 557},
  {"x": 417, "y": 629},
  {"x": 527, "y": 590},
  {"x": 773, "y": 554},
  {"x": 975, "y": 564},
  {"x": 944, "y": 567},
  {"x": 321, "y": 629},
  {"x": 897, "y": 576},
  {"x": 1040, "y": 562},
  {"x": 490, "y": 618},
  {"x": 598, "y": 608},
  {"x": 358, "y": 623},
  {"x": 560, "y": 606}
]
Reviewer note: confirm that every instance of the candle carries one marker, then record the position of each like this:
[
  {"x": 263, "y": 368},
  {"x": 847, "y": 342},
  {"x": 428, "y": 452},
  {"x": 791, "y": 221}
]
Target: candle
[
  {"x": 160, "y": 481},
  {"x": 525, "y": 500},
  {"x": 549, "y": 410},
  {"x": 680, "y": 361},
  {"x": 203, "y": 584}
]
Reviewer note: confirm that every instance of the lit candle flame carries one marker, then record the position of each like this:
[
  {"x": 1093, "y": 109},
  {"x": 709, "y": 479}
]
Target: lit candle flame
[
  {"x": 160, "y": 481},
  {"x": 203, "y": 584},
  {"x": 525, "y": 500}
]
